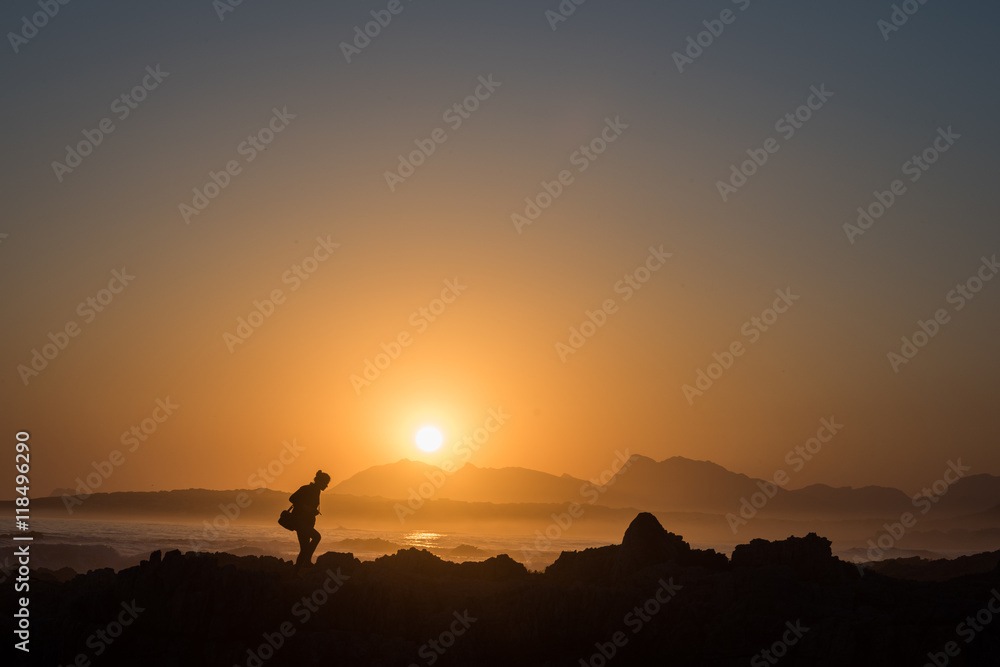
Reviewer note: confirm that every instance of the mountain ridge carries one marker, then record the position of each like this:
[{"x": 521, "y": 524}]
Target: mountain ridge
[{"x": 674, "y": 484}]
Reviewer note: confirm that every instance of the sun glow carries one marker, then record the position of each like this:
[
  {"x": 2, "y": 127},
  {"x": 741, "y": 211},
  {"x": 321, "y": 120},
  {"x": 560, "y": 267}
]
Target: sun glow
[{"x": 429, "y": 439}]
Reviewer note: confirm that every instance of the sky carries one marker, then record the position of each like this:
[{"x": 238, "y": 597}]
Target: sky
[{"x": 301, "y": 243}]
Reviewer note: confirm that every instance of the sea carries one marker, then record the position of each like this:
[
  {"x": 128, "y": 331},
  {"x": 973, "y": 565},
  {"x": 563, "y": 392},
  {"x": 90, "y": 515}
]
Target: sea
[{"x": 89, "y": 544}]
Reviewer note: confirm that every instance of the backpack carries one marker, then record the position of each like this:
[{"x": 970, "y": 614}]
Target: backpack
[{"x": 287, "y": 519}]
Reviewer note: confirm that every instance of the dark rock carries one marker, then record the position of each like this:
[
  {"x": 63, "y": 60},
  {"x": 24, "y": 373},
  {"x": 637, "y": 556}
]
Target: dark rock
[
  {"x": 645, "y": 544},
  {"x": 333, "y": 560},
  {"x": 594, "y": 564},
  {"x": 497, "y": 568},
  {"x": 942, "y": 569},
  {"x": 218, "y": 609},
  {"x": 808, "y": 556}
]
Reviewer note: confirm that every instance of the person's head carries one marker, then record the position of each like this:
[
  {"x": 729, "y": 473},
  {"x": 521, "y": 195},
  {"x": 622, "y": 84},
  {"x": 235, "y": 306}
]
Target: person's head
[{"x": 322, "y": 480}]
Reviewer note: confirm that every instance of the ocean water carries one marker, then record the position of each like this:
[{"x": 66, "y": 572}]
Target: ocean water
[{"x": 133, "y": 541}]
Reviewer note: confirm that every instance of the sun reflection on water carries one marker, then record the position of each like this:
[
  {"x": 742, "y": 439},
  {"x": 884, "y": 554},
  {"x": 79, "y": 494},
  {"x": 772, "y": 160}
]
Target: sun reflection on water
[{"x": 422, "y": 539}]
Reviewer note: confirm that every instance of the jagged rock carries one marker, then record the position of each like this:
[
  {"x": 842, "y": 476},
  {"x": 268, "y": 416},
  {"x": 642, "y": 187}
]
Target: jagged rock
[
  {"x": 809, "y": 556},
  {"x": 416, "y": 561},
  {"x": 707, "y": 558},
  {"x": 333, "y": 560},
  {"x": 645, "y": 543},
  {"x": 497, "y": 568},
  {"x": 593, "y": 564},
  {"x": 942, "y": 569},
  {"x": 219, "y": 609}
]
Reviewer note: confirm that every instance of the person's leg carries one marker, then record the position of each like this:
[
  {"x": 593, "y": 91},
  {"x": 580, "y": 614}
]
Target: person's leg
[
  {"x": 304, "y": 553},
  {"x": 310, "y": 548}
]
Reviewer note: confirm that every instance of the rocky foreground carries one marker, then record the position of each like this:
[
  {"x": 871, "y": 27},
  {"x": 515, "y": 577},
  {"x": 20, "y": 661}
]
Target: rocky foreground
[{"x": 653, "y": 600}]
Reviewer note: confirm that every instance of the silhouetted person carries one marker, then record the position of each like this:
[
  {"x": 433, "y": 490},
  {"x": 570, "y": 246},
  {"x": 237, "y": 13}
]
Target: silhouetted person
[{"x": 305, "y": 507}]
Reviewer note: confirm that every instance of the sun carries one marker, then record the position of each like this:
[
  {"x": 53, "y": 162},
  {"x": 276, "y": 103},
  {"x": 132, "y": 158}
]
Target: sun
[{"x": 429, "y": 438}]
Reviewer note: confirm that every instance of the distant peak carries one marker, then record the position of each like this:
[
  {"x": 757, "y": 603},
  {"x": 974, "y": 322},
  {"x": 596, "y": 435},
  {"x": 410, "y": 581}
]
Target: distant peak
[
  {"x": 406, "y": 462},
  {"x": 683, "y": 460}
]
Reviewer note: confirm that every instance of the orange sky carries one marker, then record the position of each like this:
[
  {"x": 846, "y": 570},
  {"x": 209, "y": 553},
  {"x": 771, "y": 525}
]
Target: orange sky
[{"x": 494, "y": 346}]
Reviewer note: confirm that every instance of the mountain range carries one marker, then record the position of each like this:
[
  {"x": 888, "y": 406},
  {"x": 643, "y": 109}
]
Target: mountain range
[
  {"x": 675, "y": 484},
  {"x": 708, "y": 504}
]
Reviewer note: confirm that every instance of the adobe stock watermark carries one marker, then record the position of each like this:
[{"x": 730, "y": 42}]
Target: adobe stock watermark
[
  {"x": 263, "y": 476},
  {"x": 584, "y": 156},
  {"x": 562, "y": 12},
  {"x": 365, "y": 33},
  {"x": 303, "y": 610},
  {"x": 898, "y": 17},
  {"x": 122, "y": 107},
  {"x": 797, "y": 458},
  {"x": 914, "y": 168},
  {"x": 635, "y": 620},
  {"x": 420, "y": 320},
  {"x": 779, "y": 649},
  {"x": 696, "y": 44},
  {"x": 787, "y": 126},
  {"x": 752, "y": 329},
  {"x": 249, "y": 149},
  {"x": 967, "y": 629},
  {"x": 927, "y": 329},
  {"x": 591, "y": 491},
  {"x": 223, "y": 7},
  {"x": 454, "y": 116},
  {"x": 133, "y": 438},
  {"x": 462, "y": 450},
  {"x": 30, "y": 25},
  {"x": 295, "y": 276},
  {"x": 923, "y": 501},
  {"x": 595, "y": 320},
  {"x": 88, "y": 310},
  {"x": 432, "y": 650},
  {"x": 22, "y": 584}
]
